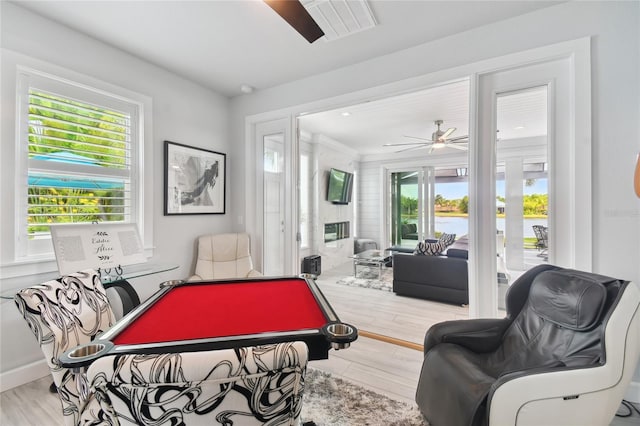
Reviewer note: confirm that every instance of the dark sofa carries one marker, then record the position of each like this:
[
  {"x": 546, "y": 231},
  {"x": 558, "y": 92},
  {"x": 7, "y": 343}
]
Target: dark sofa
[
  {"x": 409, "y": 231},
  {"x": 442, "y": 278}
]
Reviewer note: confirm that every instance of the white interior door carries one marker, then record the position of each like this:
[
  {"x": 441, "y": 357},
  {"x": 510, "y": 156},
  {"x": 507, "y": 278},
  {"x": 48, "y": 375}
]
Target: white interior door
[
  {"x": 274, "y": 204},
  {"x": 569, "y": 176},
  {"x": 275, "y": 232}
]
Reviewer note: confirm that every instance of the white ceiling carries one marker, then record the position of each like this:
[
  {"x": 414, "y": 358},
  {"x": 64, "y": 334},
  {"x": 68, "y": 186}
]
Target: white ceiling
[
  {"x": 226, "y": 44},
  {"x": 368, "y": 126}
]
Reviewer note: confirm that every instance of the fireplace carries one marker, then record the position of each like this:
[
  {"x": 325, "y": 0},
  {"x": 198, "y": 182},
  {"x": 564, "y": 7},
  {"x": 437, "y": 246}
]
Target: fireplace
[{"x": 336, "y": 231}]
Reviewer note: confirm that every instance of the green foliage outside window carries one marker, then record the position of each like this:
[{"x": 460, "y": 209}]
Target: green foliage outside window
[
  {"x": 532, "y": 205},
  {"x": 63, "y": 130}
]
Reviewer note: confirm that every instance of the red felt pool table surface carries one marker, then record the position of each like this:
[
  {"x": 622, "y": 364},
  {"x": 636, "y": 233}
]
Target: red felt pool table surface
[{"x": 219, "y": 309}]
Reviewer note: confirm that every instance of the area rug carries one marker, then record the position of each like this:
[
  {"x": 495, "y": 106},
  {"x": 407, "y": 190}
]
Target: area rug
[
  {"x": 368, "y": 278},
  {"x": 331, "y": 401}
]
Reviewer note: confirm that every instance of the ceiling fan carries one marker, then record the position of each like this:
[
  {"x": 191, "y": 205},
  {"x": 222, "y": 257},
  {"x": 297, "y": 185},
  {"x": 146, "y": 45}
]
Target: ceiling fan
[
  {"x": 298, "y": 17},
  {"x": 439, "y": 139}
]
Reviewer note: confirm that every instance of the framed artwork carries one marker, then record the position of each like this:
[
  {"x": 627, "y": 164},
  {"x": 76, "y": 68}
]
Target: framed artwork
[{"x": 194, "y": 180}]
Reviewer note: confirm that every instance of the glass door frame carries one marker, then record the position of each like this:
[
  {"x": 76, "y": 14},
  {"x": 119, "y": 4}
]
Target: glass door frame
[
  {"x": 424, "y": 222},
  {"x": 577, "y": 51},
  {"x": 567, "y": 76},
  {"x": 427, "y": 192}
]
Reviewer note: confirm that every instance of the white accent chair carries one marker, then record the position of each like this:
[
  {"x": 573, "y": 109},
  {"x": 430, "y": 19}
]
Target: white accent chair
[
  {"x": 260, "y": 385},
  {"x": 63, "y": 314},
  {"x": 222, "y": 256}
]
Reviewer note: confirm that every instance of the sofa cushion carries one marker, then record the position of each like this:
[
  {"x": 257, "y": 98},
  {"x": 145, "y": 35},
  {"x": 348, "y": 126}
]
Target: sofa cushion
[
  {"x": 460, "y": 253},
  {"x": 460, "y": 248}
]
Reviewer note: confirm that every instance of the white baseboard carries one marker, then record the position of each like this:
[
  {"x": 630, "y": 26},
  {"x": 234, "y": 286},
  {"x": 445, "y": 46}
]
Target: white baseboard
[
  {"x": 25, "y": 374},
  {"x": 633, "y": 393}
]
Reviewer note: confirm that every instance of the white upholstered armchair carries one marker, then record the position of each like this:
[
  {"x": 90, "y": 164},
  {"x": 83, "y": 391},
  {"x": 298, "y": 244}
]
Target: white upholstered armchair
[
  {"x": 257, "y": 385},
  {"x": 62, "y": 314},
  {"x": 221, "y": 256}
]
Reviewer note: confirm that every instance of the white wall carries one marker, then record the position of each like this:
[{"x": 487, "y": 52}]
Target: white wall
[
  {"x": 183, "y": 112},
  {"x": 328, "y": 154},
  {"x": 615, "y": 31},
  {"x": 370, "y": 196}
]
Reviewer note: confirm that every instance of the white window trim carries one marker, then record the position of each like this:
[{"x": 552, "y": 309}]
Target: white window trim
[{"x": 14, "y": 259}]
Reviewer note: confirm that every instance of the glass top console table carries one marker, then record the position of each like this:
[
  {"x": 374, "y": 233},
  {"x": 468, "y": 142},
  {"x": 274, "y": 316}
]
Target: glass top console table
[{"x": 110, "y": 279}]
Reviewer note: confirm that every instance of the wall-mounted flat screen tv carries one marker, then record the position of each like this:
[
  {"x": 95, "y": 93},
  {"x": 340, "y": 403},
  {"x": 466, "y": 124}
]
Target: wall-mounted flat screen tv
[{"x": 339, "y": 187}]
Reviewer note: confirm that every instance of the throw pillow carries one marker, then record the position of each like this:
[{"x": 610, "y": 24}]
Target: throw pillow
[
  {"x": 426, "y": 248},
  {"x": 447, "y": 239}
]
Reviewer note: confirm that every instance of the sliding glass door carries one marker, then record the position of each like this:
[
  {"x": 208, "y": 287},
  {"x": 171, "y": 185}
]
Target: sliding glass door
[
  {"x": 534, "y": 182},
  {"x": 522, "y": 194},
  {"x": 428, "y": 201},
  {"x": 407, "y": 212}
]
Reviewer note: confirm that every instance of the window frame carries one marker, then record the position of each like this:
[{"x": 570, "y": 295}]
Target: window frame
[{"x": 85, "y": 89}]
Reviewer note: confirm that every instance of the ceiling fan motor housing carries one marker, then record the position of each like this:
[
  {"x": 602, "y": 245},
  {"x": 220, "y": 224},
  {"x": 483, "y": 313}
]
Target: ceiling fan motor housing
[{"x": 437, "y": 135}]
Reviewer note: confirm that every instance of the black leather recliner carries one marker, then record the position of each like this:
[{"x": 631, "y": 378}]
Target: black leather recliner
[{"x": 546, "y": 362}]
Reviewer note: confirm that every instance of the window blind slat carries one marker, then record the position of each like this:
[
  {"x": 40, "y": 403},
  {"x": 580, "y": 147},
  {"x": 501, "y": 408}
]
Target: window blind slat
[
  {"x": 113, "y": 120},
  {"x": 63, "y": 104},
  {"x": 114, "y": 159},
  {"x": 96, "y": 139},
  {"x": 42, "y": 123}
]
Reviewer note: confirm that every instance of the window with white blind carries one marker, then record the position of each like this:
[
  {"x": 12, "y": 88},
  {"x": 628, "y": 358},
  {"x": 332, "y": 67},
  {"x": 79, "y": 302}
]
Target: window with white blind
[{"x": 80, "y": 156}]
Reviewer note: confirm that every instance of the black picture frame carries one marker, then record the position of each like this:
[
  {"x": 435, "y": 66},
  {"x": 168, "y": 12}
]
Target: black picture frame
[{"x": 194, "y": 180}]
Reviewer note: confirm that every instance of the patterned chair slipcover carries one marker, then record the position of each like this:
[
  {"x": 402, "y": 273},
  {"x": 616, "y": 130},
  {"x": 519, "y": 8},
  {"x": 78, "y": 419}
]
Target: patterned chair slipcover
[
  {"x": 260, "y": 385},
  {"x": 62, "y": 314}
]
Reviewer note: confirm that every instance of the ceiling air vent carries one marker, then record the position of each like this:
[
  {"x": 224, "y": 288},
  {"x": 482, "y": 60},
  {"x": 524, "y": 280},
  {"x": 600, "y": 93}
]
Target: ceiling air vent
[{"x": 340, "y": 18}]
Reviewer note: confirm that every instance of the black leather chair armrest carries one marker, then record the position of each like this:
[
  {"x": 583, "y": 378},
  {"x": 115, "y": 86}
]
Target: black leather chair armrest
[{"x": 478, "y": 335}]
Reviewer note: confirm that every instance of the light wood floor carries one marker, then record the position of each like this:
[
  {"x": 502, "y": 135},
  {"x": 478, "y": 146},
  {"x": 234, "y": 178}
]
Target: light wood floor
[{"x": 382, "y": 367}]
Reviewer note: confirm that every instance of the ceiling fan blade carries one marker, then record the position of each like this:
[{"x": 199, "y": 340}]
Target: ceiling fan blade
[
  {"x": 407, "y": 143},
  {"x": 420, "y": 139},
  {"x": 446, "y": 134},
  {"x": 297, "y": 16},
  {"x": 411, "y": 148},
  {"x": 456, "y": 146},
  {"x": 458, "y": 138}
]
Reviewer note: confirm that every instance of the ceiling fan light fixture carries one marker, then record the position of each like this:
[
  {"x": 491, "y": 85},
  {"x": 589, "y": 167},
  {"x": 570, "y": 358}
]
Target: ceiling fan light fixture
[{"x": 439, "y": 139}]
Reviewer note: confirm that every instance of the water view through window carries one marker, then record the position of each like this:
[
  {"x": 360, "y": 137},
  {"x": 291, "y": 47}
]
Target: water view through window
[{"x": 451, "y": 201}]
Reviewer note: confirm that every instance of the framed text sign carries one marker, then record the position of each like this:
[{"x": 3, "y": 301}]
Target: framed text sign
[{"x": 83, "y": 246}]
